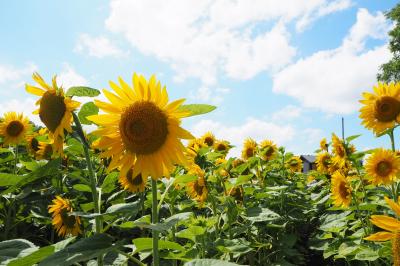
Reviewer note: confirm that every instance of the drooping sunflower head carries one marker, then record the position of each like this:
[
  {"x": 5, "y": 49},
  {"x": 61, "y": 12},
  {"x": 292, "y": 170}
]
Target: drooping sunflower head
[
  {"x": 55, "y": 109},
  {"x": 197, "y": 190},
  {"x": 340, "y": 190},
  {"x": 208, "y": 139},
  {"x": 14, "y": 127},
  {"x": 141, "y": 128},
  {"x": 381, "y": 109},
  {"x": 46, "y": 151},
  {"x": 249, "y": 148},
  {"x": 236, "y": 192},
  {"x": 323, "y": 145},
  {"x": 338, "y": 146},
  {"x": 323, "y": 162},
  {"x": 63, "y": 223},
  {"x": 268, "y": 150},
  {"x": 382, "y": 167},
  {"x": 295, "y": 164},
  {"x": 131, "y": 183}
]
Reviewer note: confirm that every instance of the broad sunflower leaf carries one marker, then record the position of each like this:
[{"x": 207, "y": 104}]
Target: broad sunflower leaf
[
  {"x": 257, "y": 214},
  {"x": 87, "y": 109},
  {"x": 197, "y": 109},
  {"x": 13, "y": 248},
  {"x": 146, "y": 243},
  {"x": 109, "y": 182},
  {"x": 9, "y": 179},
  {"x": 351, "y": 138},
  {"x": 82, "y": 92}
]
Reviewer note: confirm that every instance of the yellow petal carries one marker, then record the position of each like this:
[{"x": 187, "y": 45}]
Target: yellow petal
[
  {"x": 109, "y": 108},
  {"x": 395, "y": 207},
  {"x": 386, "y": 222},
  {"x": 34, "y": 90},
  {"x": 380, "y": 236}
]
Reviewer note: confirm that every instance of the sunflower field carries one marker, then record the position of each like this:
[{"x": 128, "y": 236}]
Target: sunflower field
[{"x": 117, "y": 180}]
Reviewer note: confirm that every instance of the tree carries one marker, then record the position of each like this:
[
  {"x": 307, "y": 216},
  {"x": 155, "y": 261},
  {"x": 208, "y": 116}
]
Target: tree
[{"x": 390, "y": 71}]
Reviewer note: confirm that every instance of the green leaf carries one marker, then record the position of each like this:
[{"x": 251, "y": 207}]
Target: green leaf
[
  {"x": 83, "y": 250},
  {"x": 197, "y": 109},
  {"x": 183, "y": 179},
  {"x": 82, "y": 188},
  {"x": 349, "y": 139},
  {"x": 243, "y": 179},
  {"x": 366, "y": 253},
  {"x": 50, "y": 168},
  {"x": 191, "y": 232},
  {"x": 257, "y": 214},
  {"x": 9, "y": 179},
  {"x": 132, "y": 208},
  {"x": 167, "y": 224},
  {"x": 109, "y": 182},
  {"x": 209, "y": 262},
  {"x": 11, "y": 249},
  {"x": 34, "y": 257},
  {"x": 87, "y": 109},
  {"x": 146, "y": 243},
  {"x": 82, "y": 91}
]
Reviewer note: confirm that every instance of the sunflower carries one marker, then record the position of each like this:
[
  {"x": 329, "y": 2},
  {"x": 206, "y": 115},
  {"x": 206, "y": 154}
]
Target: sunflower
[
  {"x": 323, "y": 162},
  {"x": 310, "y": 178},
  {"x": 236, "y": 192},
  {"x": 341, "y": 190},
  {"x": 132, "y": 184},
  {"x": 14, "y": 127},
  {"x": 249, "y": 149},
  {"x": 382, "y": 167},
  {"x": 208, "y": 139},
  {"x": 32, "y": 142},
  {"x": 392, "y": 227},
  {"x": 197, "y": 190},
  {"x": 268, "y": 150},
  {"x": 339, "y": 151},
  {"x": 46, "y": 150},
  {"x": 141, "y": 129},
  {"x": 381, "y": 109},
  {"x": 64, "y": 224},
  {"x": 295, "y": 164},
  {"x": 323, "y": 145},
  {"x": 55, "y": 110},
  {"x": 221, "y": 146}
]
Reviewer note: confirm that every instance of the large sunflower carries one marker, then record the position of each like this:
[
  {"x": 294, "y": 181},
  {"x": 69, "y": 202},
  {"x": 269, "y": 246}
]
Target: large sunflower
[
  {"x": 268, "y": 150},
  {"x": 381, "y": 109},
  {"x": 133, "y": 183},
  {"x": 55, "y": 109},
  {"x": 249, "y": 149},
  {"x": 392, "y": 227},
  {"x": 382, "y": 167},
  {"x": 64, "y": 224},
  {"x": 340, "y": 189},
  {"x": 295, "y": 164},
  {"x": 141, "y": 129},
  {"x": 14, "y": 127}
]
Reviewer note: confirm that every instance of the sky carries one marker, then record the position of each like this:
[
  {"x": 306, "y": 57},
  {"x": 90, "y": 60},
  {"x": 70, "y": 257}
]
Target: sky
[{"x": 281, "y": 70}]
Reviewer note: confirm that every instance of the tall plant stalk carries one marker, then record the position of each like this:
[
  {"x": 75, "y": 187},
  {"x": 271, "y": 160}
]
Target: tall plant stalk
[{"x": 154, "y": 220}]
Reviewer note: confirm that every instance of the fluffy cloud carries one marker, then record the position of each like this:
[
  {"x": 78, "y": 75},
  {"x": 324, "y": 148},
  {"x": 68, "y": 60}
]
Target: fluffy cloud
[
  {"x": 68, "y": 77},
  {"x": 26, "y": 106},
  {"x": 97, "y": 46},
  {"x": 288, "y": 112},
  {"x": 201, "y": 39},
  {"x": 332, "y": 80},
  {"x": 209, "y": 94}
]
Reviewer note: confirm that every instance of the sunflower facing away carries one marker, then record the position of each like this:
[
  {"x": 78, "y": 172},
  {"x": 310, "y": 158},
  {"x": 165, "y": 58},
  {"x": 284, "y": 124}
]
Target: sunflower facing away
[
  {"x": 132, "y": 183},
  {"x": 63, "y": 223},
  {"x": 249, "y": 149},
  {"x": 323, "y": 161},
  {"x": 382, "y": 167},
  {"x": 392, "y": 227},
  {"x": 381, "y": 109},
  {"x": 341, "y": 190},
  {"x": 268, "y": 150},
  {"x": 323, "y": 145},
  {"x": 208, "y": 139},
  {"x": 295, "y": 164},
  {"x": 55, "y": 109},
  {"x": 14, "y": 128},
  {"x": 141, "y": 129},
  {"x": 339, "y": 150}
]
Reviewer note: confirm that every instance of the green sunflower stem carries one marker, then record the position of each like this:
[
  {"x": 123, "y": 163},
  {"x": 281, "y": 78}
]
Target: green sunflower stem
[
  {"x": 391, "y": 135},
  {"x": 156, "y": 259},
  {"x": 93, "y": 180}
]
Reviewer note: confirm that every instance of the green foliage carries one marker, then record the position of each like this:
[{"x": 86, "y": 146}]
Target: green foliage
[
  {"x": 82, "y": 91},
  {"x": 197, "y": 109}
]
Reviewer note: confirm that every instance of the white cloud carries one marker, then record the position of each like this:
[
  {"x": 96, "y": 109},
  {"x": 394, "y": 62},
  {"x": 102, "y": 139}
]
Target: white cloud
[
  {"x": 288, "y": 112},
  {"x": 68, "y": 77},
  {"x": 209, "y": 94},
  {"x": 253, "y": 127},
  {"x": 203, "y": 39},
  {"x": 25, "y": 106},
  {"x": 13, "y": 78},
  {"x": 97, "y": 46},
  {"x": 332, "y": 80}
]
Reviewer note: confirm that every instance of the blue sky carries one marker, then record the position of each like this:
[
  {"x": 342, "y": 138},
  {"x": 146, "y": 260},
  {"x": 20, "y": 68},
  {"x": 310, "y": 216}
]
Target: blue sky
[{"x": 286, "y": 72}]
